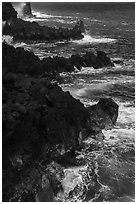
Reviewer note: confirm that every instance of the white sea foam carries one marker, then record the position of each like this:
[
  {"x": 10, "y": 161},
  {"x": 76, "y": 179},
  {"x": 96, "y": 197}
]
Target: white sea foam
[
  {"x": 42, "y": 15},
  {"x": 88, "y": 39},
  {"x": 38, "y": 16},
  {"x": 34, "y": 19},
  {"x": 22, "y": 44},
  {"x": 45, "y": 16},
  {"x": 98, "y": 88},
  {"x": 19, "y": 9},
  {"x": 8, "y": 39},
  {"x": 123, "y": 134},
  {"x": 118, "y": 135},
  {"x": 44, "y": 19},
  {"x": 126, "y": 113},
  {"x": 88, "y": 70}
]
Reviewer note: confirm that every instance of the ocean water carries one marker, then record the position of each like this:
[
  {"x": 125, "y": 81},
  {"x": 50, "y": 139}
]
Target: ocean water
[{"x": 109, "y": 27}]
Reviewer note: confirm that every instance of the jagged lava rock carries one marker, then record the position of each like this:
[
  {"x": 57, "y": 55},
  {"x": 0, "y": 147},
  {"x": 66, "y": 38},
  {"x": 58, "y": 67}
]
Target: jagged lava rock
[
  {"x": 104, "y": 114},
  {"x": 8, "y": 11},
  {"x": 26, "y": 10},
  {"x": 96, "y": 59},
  {"x": 103, "y": 60},
  {"x": 80, "y": 26},
  {"x": 36, "y": 114},
  {"x": 110, "y": 107},
  {"x": 32, "y": 31},
  {"x": 18, "y": 60},
  {"x": 55, "y": 113}
]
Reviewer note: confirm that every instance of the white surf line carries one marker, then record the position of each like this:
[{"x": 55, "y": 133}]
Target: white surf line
[{"x": 88, "y": 39}]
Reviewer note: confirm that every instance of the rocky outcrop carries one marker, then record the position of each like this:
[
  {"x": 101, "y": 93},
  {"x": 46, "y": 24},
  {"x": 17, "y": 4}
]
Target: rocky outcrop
[
  {"x": 110, "y": 108},
  {"x": 8, "y": 12},
  {"x": 26, "y": 10},
  {"x": 41, "y": 123},
  {"x": 32, "y": 31},
  {"x": 18, "y": 60},
  {"x": 80, "y": 26},
  {"x": 21, "y": 61},
  {"x": 36, "y": 117},
  {"x": 96, "y": 59},
  {"x": 56, "y": 113},
  {"x": 104, "y": 114}
]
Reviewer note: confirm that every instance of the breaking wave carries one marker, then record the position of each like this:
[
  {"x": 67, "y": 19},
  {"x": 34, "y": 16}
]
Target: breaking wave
[
  {"x": 39, "y": 16},
  {"x": 88, "y": 39},
  {"x": 8, "y": 39}
]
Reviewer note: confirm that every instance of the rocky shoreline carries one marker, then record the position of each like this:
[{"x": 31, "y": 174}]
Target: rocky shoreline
[
  {"x": 32, "y": 31},
  {"x": 43, "y": 126},
  {"x": 18, "y": 60}
]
